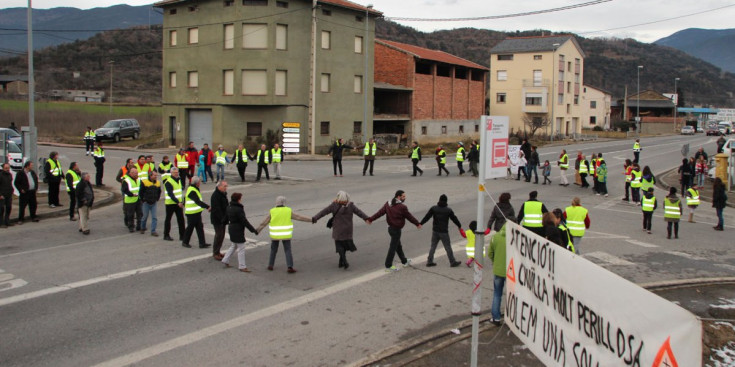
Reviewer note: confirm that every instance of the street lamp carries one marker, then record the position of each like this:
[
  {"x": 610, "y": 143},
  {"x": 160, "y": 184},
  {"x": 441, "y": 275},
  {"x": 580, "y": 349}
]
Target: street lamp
[
  {"x": 676, "y": 102},
  {"x": 551, "y": 89},
  {"x": 638, "y": 102},
  {"x": 366, "y": 45}
]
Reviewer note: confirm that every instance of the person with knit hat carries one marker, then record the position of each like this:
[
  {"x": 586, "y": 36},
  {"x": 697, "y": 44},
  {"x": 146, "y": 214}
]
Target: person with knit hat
[{"x": 442, "y": 213}]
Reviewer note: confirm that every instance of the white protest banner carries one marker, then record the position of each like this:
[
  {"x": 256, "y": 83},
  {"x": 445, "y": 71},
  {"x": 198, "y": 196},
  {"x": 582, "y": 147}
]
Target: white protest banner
[
  {"x": 572, "y": 312},
  {"x": 495, "y": 136}
]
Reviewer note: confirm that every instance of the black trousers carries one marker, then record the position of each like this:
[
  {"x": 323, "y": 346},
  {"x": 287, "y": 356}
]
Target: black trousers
[
  {"x": 72, "y": 203},
  {"x": 395, "y": 247},
  {"x": 219, "y": 237},
  {"x": 444, "y": 237},
  {"x": 6, "y": 205},
  {"x": 100, "y": 171},
  {"x": 676, "y": 228},
  {"x": 53, "y": 192},
  {"x": 627, "y": 190},
  {"x": 636, "y": 155},
  {"x": 241, "y": 170},
  {"x": 90, "y": 145},
  {"x": 442, "y": 167},
  {"x": 194, "y": 222},
  {"x": 473, "y": 168},
  {"x": 416, "y": 168},
  {"x": 368, "y": 163},
  {"x": 636, "y": 193},
  {"x": 583, "y": 177},
  {"x": 27, "y": 200},
  {"x": 647, "y": 218},
  {"x": 460, "y": 167},
  {"x": 208, "y": 171},
  {"x": 263, "y": 167},
  {"x": 337, "y": 163},
  {"x": 133, "y": 214},
  {"x": 170, "y": 211},
  {"x": 532, "y": 170}
]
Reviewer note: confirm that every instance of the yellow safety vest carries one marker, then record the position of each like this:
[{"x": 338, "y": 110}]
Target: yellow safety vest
[
  {"x": 575, "y": 220},
  {"x": 470, "y": 247},
  {"x": 460, "y": 154},
  {"x": 98, "y": 152},
  {"x": 532, "y": 214},
  {"x": 181, "y": 162},
  {"x": 266, "y": 160},
  {"x": 583, "y": 167},
  {"x": 280, "y": 226},
  {"x": 243, "y": 158},
  {"x": 628, "y": 176},
  {"x": 221, "y": 156},
  {"x": 593, "y": 166},
  {"x": 636, "y": 147},
  {"x": 134, "y": 187},
  {"x": 176, "y": 186},
  {"x": 191, "y": 207},
  {"x": 368, "y": 150},
  {"x": 142, "y": 171},
  {"x": 415, "y": 153},
  {"x": 636, "y": 182},
  {"x": 647, "y": 205},
  {"x": 276, "y": 155},
  {"x": 75, "y": 180},
  {"x": 694, "y": 199},
  {"x": 442, "y": 158},
  {"x": 55, "y": 167},
  {"x": 646, "y": 184},
  {"x": 671, "y": 210},
  {"x": 570, "y": 244},
  {"x": 564, "y": 162},
  {"x": 89, "y": 135},
  {"x": 166, "y": 168}
]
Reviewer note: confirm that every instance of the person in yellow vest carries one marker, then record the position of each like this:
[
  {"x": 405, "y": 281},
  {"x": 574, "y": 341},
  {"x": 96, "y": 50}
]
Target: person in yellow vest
[
  {"x": 636, "y": 150},
  {"x": 474, "y": 157},
  {"x": 73, "y": 176},
  {"x": 578, "y": 220},
  {"x": 565, "y": 236},
  {"x": 89, "y": 139},
  {"x": 672, "y": 213},
  {"x": 53, "y": 176},
  {"x": 220, "y": 161},
  {"x": 635, "y": 183},
  {"x": 131, "y": 201},
  {"x": 99, "y": 163},
  {"x": 150, "y": 193},
  {"x": 583, "y": 170},
  {"x": 692, "y": 195},
  {"x": 164, "y": 169},
  {"x": 174, "y": 200},
  {"x": 563, "y": 167},
  {"x": 181, "y": 161},
  {"x": 336, "y": 152},
  {"x": 280, "y": 228},
  {"x": 415, "y": 156},
  {"x": 240, "y": 158},
  {"x": 648, "y": 180},
  {"x": 441, "y": 159},
  {"x": 277, "y": 154},
  {"x": 593, "y": 171},
  {"x": 263, "y": 158},
  {"x": 531, "y": 213},
  {"x": 369, "y": 153},
  {"x": 142, "y": 166},
  {"x": 193, "y": 208},
  {"x": 648, "y": 205},
  {"x": 460, "y": 156},
  {"x": 627, "y": 171},
  {"x": 470, "y": 245}
]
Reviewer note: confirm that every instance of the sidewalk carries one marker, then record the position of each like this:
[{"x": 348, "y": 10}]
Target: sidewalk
[
  {"x": 671, "y": 179},
  {"x": 102, "y": 197}
]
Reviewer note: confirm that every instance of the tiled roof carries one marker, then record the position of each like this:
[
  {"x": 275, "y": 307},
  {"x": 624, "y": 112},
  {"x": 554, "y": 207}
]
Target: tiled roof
[
  {"x": 434, "y": 55},
  {"x": 532, "y": 44},
  {"x": 340, "y": 3}
]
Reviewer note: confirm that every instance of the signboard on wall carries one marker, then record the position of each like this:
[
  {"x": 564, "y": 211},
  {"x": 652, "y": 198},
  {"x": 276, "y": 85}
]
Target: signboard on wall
[{"x": 291, "y": 133}]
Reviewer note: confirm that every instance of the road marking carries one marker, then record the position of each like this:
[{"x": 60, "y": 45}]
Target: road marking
[
  {"x": 9, "y": 281},
  {"x": 84, "y": 283},
  {"x": 63, "y": 246},
  {"x": 641, "y": 244},
  {"x": 684, "y": 254},
  {"x": 594, "y": 234},
  {"x": 607, "y": 258}
]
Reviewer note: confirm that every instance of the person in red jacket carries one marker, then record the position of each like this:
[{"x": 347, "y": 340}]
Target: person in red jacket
[
  {"x": 396, "y": 214},
  {"x": 192, "y": 154},
  {"x": 208, "y": 159}
]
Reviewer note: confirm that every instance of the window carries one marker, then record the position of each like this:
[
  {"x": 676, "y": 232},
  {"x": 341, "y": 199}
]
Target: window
[
  {"x": 229, "y": 2},
  {"x": 229, "y": 36},
  {"x": 593, "y": 104},
  {"x": 537, "y": 57},
  {"x": 423, "y": 130},
  {"x": 326, "y": 40},
  {"x": 460, "y": 73},
  {"x": 172, "y": 12},
  {"x": 502, "y": 75},
  {"x": 444, "y": 70},
  {"x": 358, "y": 84},
  {"x": 478, "y": 75},
  {"x": 228, "y": 82},
  {"x": 255, "y": 36},
  {"x": 569, "y": 87},
  {"x": 423, "y": 68},
  {"x": 255, "y": 2},
  {"x": 477, "y": 128},
  {"x": 576, "y": 99},
  {"x": 282, "y": 4},
  {"x": 172, "y": 38},
  {"x": 281, "y": 36},
  {"x": 560, "y": 99},
  {"x": 193, "y": 8},
  {"x": 593, "y": 120},
  {"x": 358, "y": 44},
  {"x": 193, "y": 35},
  {"x": 505, "y": 57},
  {"x": 537, "y": 76},
  {"x": 172, "y": 79},
  {"x": 324, "y": 128},
  {"x": 461, "y": 129},
  {"x": 533, "y": 101},
  {"x": 569, "y": 66},
  {"x": 255, "y": 129},
  {"x": 325, "y": 83},
  {"x": 281, "y": 82},
  {"x": 193, "y": 79},
  {"x": 444, "y": 130},
  {"x": 358, "y": 18},
  {"x": 500, "y": 98},
  {"x": 254, "y": 82},
  {"x": 569, "y": 108},
  {"x": 326, "y": 12},
  {"x": 357, "y": 127}
]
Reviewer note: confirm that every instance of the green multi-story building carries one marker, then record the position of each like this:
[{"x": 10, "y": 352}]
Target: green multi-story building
[{"x": 233, "y": 70}]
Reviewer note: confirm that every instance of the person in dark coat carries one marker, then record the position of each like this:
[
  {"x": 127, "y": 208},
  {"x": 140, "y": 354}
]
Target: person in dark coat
[
  {"x": 442, "y": 213},
  {"x": 99, "y": 163},
  {"x": 26, "y": 181},
  {"x": 53, "y": 175},
  {"x": 502, "y": 211},
  {"x": 238, "y": 222},
  {"x": 719, "y": 200},
  {"x": 71, "y": 186},
  {"x": 533, "y": 163},
  {"x": 218, "y": 217},
  {"x": 6, "y": 195},
  {"x": 336, "y": 152},
  {"x": 85, "y": 199},
  {"x": 342, "y": 210},
  {"x": 263, "y": 158},
  {"x": 474, "y": 158},
  {"x": 396, "y": 213}
]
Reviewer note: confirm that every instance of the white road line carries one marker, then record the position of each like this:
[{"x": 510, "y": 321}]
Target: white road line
[
  {"x": 685, "y": 255},
  {"x": 63, "y": 246},
  {"x": 595, "y": 234},
  {"x": 607, "y": 258},
  {"x": 84, "y": 283},
  {"x": 641, "y": 244}
]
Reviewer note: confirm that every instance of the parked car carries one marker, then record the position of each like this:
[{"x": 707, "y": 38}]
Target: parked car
[
  {"x": 713, "y": 130},
  {"x": 727, "y": 125},
  {"x": 117, "y": 129},
  {"x": 687, "y": 130},
  {"x": 13, "y": 155},
  {"x": 11, "y": 135},
  {"x": 700, "y": 129}
]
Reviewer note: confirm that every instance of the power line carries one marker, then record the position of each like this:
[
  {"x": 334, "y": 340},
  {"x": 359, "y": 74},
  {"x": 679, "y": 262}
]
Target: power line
[{"x": 513, "y": 15}]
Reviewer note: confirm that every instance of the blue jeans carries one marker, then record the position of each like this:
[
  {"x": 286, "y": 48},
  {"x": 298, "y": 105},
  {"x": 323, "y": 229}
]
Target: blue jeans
[
  {"x": 720, "y": 220},
  {"x": 220, "y": 172},
  {"x": 498, "y": 285},
  {"x": 149, "y": 209}
]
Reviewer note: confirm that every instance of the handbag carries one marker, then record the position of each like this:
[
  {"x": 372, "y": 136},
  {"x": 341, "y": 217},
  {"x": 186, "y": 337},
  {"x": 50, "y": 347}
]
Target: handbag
[{"x": 330, "y": 222}]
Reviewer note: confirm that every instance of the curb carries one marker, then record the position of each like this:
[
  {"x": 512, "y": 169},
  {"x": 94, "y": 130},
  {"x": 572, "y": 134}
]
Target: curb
[
  {"x": 109, "y": 200},
  {"x": 662, "y": 183}
]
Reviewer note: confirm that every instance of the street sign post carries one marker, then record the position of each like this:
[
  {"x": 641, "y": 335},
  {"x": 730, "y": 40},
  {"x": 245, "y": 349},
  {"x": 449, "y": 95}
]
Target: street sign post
[{"x": 291, "y": 134}]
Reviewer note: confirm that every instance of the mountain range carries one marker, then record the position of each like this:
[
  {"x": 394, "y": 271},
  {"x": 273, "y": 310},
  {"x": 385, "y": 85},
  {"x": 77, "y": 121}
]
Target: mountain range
[{"x": 701, "y": 59}]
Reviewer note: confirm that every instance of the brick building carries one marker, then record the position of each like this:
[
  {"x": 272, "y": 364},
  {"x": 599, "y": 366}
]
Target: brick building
[{"x": 421, "y": 92}]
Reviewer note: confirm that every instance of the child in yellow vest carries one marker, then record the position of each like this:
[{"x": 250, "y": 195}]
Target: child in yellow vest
[{"x": 470, "y": 245}]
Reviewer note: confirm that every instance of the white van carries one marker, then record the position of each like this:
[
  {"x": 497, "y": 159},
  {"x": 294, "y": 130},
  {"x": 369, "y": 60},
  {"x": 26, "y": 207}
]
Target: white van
[{"x": 727, "y": 125}]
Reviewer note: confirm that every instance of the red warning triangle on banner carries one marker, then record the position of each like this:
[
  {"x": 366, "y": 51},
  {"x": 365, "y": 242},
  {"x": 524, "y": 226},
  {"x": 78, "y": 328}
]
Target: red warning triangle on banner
[
  {"x": 665, "y": 356},
  {"x": 510, "y": 274}
]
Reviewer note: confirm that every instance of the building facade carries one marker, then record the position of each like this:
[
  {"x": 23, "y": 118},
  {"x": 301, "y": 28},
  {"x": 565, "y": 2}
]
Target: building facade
[
  {"x": 537, "y": 81},
  {"x": 595, "y": 106},
  {"x": 78, "y": 95},
  {"x": 236, "y": 71},
  {"x": 422, "y": 93}
]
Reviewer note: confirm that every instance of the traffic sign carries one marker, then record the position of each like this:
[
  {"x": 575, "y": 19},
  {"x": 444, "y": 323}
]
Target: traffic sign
[
  {"x": 290, "y": 130},
  {"x": 291, "y": 150},
  {"x": 291, "y": 135},
  {"x": 291, "y": 140},
  {"x": 290, "y": 145},
  {"x": 291, "y": 124}
]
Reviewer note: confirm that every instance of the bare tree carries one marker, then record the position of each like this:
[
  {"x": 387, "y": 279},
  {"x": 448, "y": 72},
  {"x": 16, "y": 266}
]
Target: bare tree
[{"x": 534, "y": 123}]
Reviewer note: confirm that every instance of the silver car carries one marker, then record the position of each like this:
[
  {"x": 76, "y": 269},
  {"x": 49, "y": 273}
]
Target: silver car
[{"x": 115, "y": 130}]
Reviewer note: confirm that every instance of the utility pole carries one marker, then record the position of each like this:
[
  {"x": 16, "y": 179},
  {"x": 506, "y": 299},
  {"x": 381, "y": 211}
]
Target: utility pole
[
  {"x": 365, "y": 76},
  {"x": 30, "y": 146}
]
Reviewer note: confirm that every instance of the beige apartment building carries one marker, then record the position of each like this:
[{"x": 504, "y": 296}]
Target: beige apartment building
[
  {"x": 538, "y": 80},
  {"x": 596, "y": 105}
]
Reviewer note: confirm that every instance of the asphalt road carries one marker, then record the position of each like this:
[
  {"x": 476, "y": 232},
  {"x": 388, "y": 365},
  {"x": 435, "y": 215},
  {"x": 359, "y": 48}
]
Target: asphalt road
[{"x": 114, "y": 298}]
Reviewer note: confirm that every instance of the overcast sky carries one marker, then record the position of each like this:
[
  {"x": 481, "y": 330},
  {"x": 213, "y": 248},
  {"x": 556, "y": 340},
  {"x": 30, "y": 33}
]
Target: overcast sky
[{"x": 645, "y": 21}]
